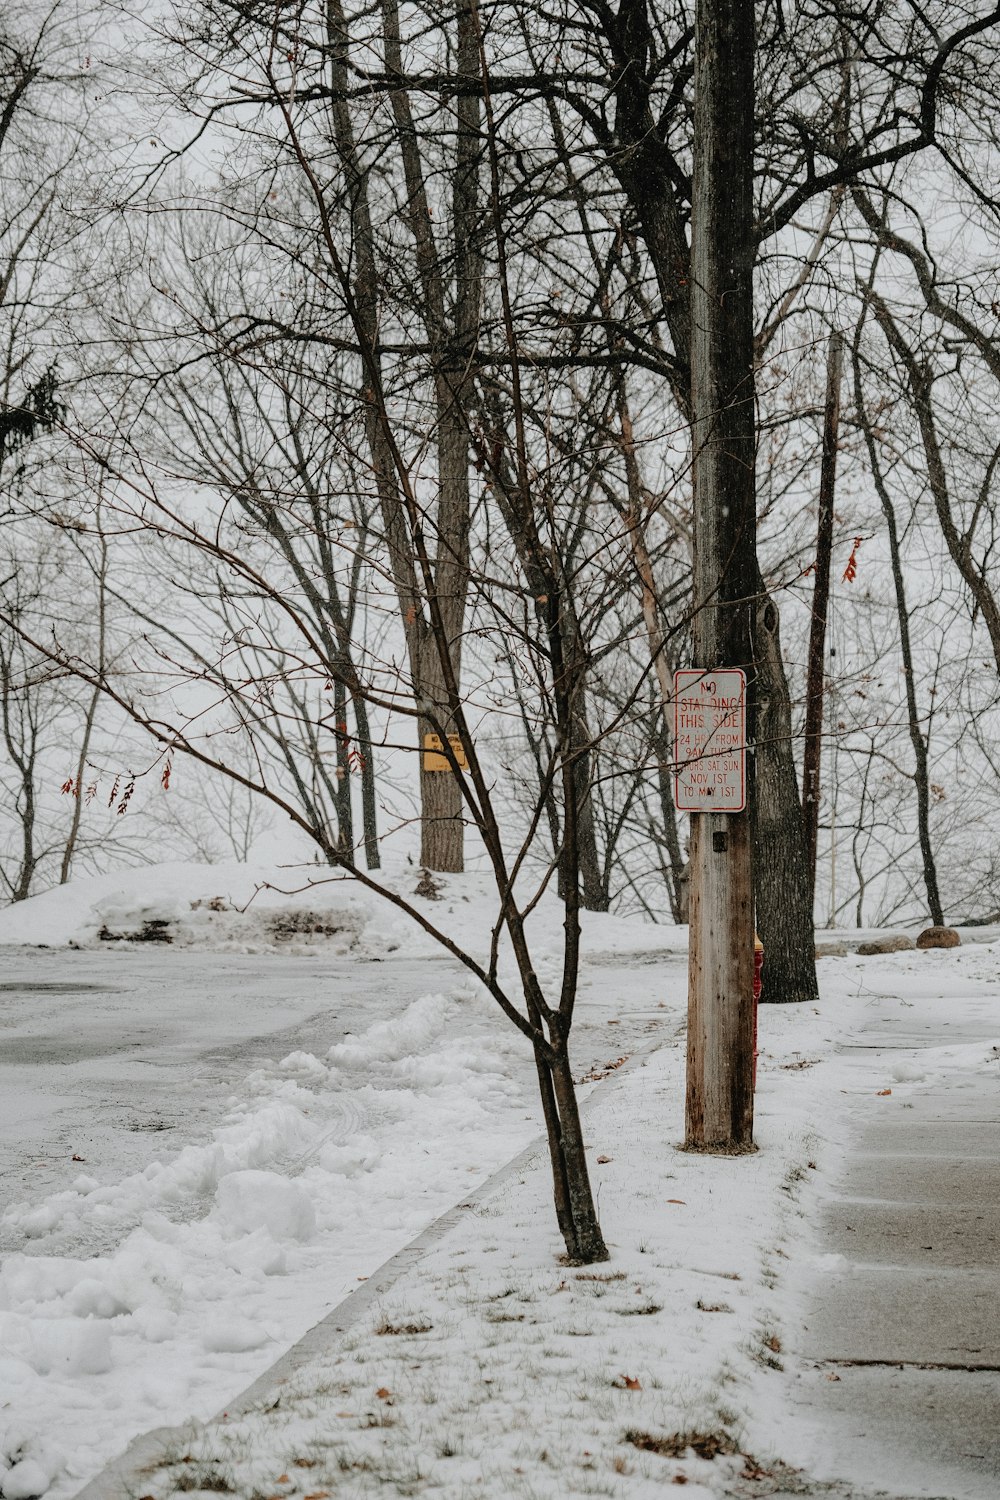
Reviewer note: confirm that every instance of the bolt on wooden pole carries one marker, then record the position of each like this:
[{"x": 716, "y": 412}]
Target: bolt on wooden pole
[{"x": 719, "y": 1113}]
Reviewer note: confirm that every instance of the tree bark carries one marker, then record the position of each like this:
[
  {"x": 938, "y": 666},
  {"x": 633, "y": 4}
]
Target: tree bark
[
  {"x": 452, "y": 339},
  {"x": 815, "y": 676},
  {"x": 959, "y": 543},
  {"x": 594, "y": 890},
  {"x": 921, "y": 779},
  {"x": 100, "y": 573},
  {"x": 661, "y": 734},
  {"x": 20, "y": 735},
  {"x": 677, "y": 878},
  {"x": 450, "y": 342},
  {"x": 594, "y": 893},
  {"x": 585, "y": 1242},
  {"x": 369, "y": 802},
  {"x": 442, "y": 826},
  {"x": 781, "y": 871},
  {"x": 950, "y": 312},
  {"x": 342, "y": 797},
  {"x": 651, "y": 179}
]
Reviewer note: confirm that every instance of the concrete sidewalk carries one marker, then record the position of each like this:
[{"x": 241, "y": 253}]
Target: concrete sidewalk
[{"x": 899, "y": 1353}]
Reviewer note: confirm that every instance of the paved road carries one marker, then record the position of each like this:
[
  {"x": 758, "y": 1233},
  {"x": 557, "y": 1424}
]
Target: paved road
[
  {"x": 898, "y": 1358},
  {"x": 122, "y": 1056}
]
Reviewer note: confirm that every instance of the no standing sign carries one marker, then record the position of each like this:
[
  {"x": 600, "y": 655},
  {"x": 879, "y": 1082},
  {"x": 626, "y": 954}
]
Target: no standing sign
[{"x": 710, "y": 736}]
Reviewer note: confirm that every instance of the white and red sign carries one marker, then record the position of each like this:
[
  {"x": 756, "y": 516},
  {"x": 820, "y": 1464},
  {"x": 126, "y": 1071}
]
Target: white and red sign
[{"x": 710, "y": 740}]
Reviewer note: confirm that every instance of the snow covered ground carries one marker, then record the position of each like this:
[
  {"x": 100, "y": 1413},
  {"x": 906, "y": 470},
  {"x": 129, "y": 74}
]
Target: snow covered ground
[
  {"x": 206, "y": 1143},
  {"x": 330, "y": 1093}
]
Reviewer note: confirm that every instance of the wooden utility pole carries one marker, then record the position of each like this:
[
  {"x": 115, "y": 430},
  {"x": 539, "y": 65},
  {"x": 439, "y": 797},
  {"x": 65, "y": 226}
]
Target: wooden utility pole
[
  {"x": 821, "y": 600},
  {"x": 720, "y": 978}
]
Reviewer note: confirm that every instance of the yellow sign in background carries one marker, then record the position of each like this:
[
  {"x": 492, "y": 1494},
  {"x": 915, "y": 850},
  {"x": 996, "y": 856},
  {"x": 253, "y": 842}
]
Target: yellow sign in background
[{"x": 436, "y": 760}]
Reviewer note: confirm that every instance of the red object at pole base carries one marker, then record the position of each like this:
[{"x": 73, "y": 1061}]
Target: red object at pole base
[{"x": 758, "y": 985}]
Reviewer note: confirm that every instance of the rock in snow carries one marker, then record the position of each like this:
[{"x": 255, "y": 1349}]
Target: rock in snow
[
  {"x": 939, "y": 937},
  {"x": 893, "y": 942}
]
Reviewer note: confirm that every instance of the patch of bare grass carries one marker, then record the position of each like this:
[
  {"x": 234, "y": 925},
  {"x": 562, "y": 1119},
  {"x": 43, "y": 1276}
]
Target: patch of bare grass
[{"x": 706, "y": 1445}]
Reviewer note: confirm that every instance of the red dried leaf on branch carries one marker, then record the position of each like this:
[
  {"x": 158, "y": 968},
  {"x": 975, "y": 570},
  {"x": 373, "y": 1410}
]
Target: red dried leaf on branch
[{"x": 851, "y": 571}]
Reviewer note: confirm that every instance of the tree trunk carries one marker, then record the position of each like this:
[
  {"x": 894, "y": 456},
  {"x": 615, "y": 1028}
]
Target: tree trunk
[
  {"x": 450, "y": 341},
  {"x": 782, "y": 887},
  {"x": 720, "y": 973},
  {"x": 676, "y": 883},
  {"x": 949, "y": 310},
  {"x": 369, "y": 805},
  {"x": 574, "y": 1201},
  {"x": 813, "y": 746},
  {"x": 642, "y": 164},
  {"x": 661, "y": 733},
  {"x": 921, "y": 780},
  {"x": 594, "y": 889},
  {"x": 343, "y": 801},
  {"x": 594, "y": 894},
  {"x": 29, "y": 859},
  {"x": 442, "y": 828},
  {"x": 566, "y": 665},
  {"x": 69, "y": 848}
]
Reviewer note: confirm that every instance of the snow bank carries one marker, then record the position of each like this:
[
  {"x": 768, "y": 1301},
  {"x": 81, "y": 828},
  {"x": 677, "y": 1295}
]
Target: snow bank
[
  {"x": 492, "y": 1367},
  {"x": 248, "y": 1201},
  {"x": 238, "y": 907},
  {"x": 309, "y": 909},
  {"x": 228, "y": 1251}
]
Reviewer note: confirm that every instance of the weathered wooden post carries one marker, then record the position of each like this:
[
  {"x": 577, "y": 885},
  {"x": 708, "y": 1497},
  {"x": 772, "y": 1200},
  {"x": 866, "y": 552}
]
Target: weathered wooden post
[{"x": 720, "y": 981}]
